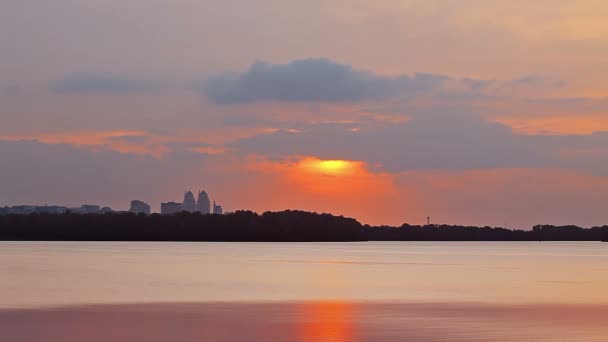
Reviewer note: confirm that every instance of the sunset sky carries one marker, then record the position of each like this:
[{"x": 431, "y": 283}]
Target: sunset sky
[{"x": 469, "y": 111}]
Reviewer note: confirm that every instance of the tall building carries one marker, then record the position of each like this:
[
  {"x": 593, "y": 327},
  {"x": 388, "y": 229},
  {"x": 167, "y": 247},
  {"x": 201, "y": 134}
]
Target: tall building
[
  {"x": 139, "y": 207},
  {"x": 170, "y": 208},
  {"x": 217, "y": 209},
  {"x": 202, "y": 204},
  {"x": 189, "y": 204}
]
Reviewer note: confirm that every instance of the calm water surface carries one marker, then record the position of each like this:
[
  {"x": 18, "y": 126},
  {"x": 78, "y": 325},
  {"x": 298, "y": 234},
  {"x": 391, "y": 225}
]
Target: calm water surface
[
  {"x": 377, "y": 291},
  {"x": 38, "y": 274}
]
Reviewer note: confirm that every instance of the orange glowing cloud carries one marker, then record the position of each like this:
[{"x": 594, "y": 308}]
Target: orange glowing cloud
[
  {"x": 139, "y": 142},
  {"x": 76, "y": 138},
  {"x": 548, "y": 116},
  {"x": 210, "y": 150},
  {"x": 560, "y": 125},
  {"x": 330, "y": 177},
  {"x": 135, "y": 142}
]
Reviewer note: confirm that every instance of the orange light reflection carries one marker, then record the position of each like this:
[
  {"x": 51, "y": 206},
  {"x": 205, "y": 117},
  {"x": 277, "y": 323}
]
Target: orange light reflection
[{"x": 327, "y": 322}]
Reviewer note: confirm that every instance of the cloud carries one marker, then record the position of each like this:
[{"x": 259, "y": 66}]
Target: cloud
[
  {"x": 325, "y": 81},
  {"x": 123, "y": 141},
  {"x": 101, "y": 83},
  {"x": 317, "y": 80},
  {"x": 436, "y": 143}
]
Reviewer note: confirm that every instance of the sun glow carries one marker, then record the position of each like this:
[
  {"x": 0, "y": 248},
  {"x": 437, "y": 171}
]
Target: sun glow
[
  {"x": 330, "y": 182},
  {"x": 330, "y": 167},
  {"x": 336, "y": 177}
]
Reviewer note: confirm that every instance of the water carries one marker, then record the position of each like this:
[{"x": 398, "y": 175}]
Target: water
[
  {"x": 376, "y": 291},
  {"x": 36, "y": 274}
]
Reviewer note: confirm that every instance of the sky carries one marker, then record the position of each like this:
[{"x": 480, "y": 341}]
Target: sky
[{"x": 468, "y": 111}]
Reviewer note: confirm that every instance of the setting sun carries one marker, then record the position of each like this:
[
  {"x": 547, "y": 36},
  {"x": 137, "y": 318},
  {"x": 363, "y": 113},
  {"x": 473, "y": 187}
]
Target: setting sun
[
  {"x": 330, "y": 167},
  {"x": 333, "y": 177}
]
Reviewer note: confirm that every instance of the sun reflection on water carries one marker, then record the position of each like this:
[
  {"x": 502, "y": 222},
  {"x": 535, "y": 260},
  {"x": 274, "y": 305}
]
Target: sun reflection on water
[{"x": 327, "y": 321}]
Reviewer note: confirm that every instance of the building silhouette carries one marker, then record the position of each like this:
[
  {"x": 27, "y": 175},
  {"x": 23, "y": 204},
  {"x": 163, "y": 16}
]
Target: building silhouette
[
  {"x": 217, "y": 209},
  {"x": 139, "y": 207},
  {"x": 170, "y": 208},
  {"x": 106, "y": 210},
  {"x": 89, "y": 209},
  {"x": 33, "y": 209},
  {"x": 203, "y": 205},
  {"x": 189, "y": 204},
  {"x": 51, "y": 209}
]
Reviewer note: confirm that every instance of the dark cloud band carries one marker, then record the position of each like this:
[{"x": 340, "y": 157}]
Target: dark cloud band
[{"x": 314, "y": 80}]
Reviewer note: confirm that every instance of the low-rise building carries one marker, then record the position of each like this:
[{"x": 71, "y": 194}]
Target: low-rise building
[
  {"x": 22, "y": 209},
  {"x": 90, "y": 209},
  {"x": 139, "y": 207},
  {"x": 106, "y": 210},
  {"x": 33, "y": 209},
  {"x": 85, "y": 209},
  {"x": 170, "y": 208},
  {"x": 51, "y": 209},
  {"x": 217, "y": 209}
]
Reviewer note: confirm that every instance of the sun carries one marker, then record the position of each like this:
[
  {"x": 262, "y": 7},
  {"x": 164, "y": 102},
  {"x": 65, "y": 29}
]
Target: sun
[
  {"x": 328, "y": 177},
  {"x": 334, "y": 166},
  {"x": 329, "y": 167}
]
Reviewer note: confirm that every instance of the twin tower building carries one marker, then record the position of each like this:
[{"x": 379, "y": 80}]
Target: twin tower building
[{"x": 201, "y": 205}]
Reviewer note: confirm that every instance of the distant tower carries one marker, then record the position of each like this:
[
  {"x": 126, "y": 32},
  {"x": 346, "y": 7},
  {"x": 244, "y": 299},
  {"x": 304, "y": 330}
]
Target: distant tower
[
  {"x": 428, "y": 220},
  {"x": 217, "y": 209},
  {"x": 189, "y": 203},
  {"x": 203, "y": 205}
]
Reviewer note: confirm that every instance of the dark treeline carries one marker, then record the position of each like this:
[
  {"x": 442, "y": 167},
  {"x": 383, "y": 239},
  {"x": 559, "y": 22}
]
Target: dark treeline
[
  {"x": 240, "y": 226},
  {"x": 466, "y": 233},
  {"x": 270, "y": 226}
]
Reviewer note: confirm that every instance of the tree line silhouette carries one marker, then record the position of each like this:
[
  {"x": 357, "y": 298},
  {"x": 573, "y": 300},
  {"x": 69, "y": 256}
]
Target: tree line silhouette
[
  {"x": 469, "y": 233},
  {"x": 270, "y": 226},
  {"x": 239, "y": 226}
]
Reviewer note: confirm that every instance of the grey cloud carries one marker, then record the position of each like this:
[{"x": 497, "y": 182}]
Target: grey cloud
[
  {"x": 314, "y": 80},
  {"x": 526, "y": 86},
  {"x": 130, "y": 138},
  {"x": 539, "y": 80},
  {"x": 435, "y": 143},
  {"x": 476, "y": 85},
  {"x": 247, "y": 120},
  {"x": 101, "y": 83}
]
